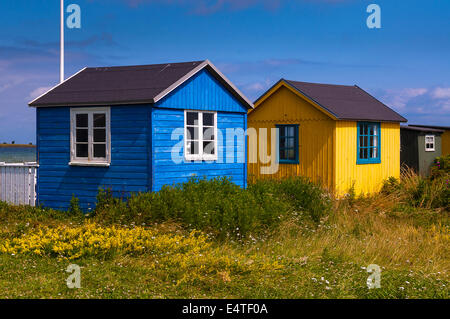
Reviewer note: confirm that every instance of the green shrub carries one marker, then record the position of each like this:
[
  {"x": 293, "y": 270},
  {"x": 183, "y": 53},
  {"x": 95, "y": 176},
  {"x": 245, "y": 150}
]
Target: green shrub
[
  {"x": 218, "y": 206},
  {"x": 390, "y": 186},
  {"x": 440, "y": 167},
  {"x": 300, "y": 194},
  {"x": 418, "y": 191},
  {"x": 74, "y": 207}
]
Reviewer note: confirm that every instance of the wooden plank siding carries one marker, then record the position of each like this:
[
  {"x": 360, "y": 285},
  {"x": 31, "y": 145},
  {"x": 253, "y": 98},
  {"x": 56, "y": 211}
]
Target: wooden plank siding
[
  {"x": 315, "y": 137},
  {"x": 166, "y": 171},
  {"x": 445, "y": 140},
  {"x": 367, "y": 178},
  {"x": 202, "y": 92},
  {"x": 130, "y": 166}
]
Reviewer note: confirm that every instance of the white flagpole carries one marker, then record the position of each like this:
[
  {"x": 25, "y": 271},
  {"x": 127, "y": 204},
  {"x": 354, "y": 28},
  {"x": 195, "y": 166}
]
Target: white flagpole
[{"x": 61, "y": 70}]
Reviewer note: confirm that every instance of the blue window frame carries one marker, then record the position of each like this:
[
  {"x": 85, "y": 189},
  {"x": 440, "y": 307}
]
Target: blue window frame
[
  {"x": 287, "y": 143},
  {"x": 369, "y": 143}
]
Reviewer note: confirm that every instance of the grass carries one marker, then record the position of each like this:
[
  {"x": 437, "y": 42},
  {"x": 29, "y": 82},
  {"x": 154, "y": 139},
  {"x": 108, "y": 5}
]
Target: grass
[{"x": 296, "y": 258}]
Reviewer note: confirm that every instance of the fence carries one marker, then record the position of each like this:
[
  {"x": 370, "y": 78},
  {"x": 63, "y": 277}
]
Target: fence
[{"x": 18, "y": 183}]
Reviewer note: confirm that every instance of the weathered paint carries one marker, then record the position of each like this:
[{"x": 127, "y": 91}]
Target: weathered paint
[
  {"x": 315, "y": 137},
  {"x": 366, "y": 178},
  {"x": 327, "y": 147},
  {"x": 445, "y": 140},
  {"x": 129, "y": 169}
]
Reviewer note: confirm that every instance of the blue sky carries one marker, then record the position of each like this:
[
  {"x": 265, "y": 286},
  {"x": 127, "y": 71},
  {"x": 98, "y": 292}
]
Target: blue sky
[{"x": 255, "y": 43}]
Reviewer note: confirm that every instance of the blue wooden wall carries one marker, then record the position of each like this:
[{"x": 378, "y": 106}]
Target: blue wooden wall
[
  {"x": 201, "y": 92},
  {"x": 166, "y": 171},
  {"x": 130, "y": 160}
]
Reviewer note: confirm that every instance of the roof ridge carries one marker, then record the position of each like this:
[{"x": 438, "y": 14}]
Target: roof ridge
[
  {"x": 143, "y": 65},
  {"x": 315, "y": 83}
]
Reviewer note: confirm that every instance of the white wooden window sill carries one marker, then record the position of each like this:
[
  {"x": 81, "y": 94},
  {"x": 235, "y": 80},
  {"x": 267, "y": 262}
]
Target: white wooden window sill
[{"x": 99, "y": 164}]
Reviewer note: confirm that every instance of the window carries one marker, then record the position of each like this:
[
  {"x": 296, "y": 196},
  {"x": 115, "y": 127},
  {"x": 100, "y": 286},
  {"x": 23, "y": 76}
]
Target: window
[
  {"x": 200, "y": 131},
  {"x": 90, "y": 136},
  {"x": 288, "y": 144},
  {"x": 368, "y": 143},
  {"x": 429, "y": 143}
]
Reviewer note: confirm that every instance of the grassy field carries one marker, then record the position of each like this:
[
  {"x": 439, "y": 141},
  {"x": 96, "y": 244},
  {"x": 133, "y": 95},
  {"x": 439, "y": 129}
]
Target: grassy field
[{"x": 297, "y": 258}]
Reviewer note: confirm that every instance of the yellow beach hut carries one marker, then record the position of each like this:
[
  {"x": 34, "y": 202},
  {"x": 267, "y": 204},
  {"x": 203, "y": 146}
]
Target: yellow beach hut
[{"x": 337, "y": 135}]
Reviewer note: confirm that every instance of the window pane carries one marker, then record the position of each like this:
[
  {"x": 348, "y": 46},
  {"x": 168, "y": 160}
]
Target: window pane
[
  {"x": 192, "y": 118},
  {"x": 99, "y": 135},
  {"x": 192, "y": 133},
  {"x": 192, "y": 148},
  {"x": 374, "y": 152},
  {"x": 99, "y": 120},
  {"x": 290, "y": 132},
  {"x": 291, "y": 154},
  {"x": 99, "y": 150},
  {"x": 290, "y": 142},
  {"x": 282, "y": 142},
  {"x": 82, "y": 135},
  {"x": 365, "y": 141},
  {"x": 282, "y": 132},
  {"x": 365, "y": 155},
  {"x": 282, "y": 154},
  {"x": 208, "y": 133},
  {"x": 82, "y": 120},
  {"x": 208, "y": 148},
  {"x": 82, "y": 150},
  {"x": 208, "y": 119}
]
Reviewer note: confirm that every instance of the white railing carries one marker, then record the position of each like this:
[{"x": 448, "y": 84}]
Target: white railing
[{"x": 18, "y": 183}]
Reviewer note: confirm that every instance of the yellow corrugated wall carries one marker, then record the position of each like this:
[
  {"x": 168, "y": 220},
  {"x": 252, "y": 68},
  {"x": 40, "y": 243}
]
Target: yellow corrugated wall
[
  {"x": 316, "y": 133},
  {"x": 366, "y": 177},
  {"x": 445, "y": 140}
]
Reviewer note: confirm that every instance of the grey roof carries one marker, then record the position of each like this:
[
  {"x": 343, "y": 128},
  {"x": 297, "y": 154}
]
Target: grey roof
[
  {"x": 128, "y": 84},
  {"x": 421, "y": 129},
  {"x": 444, "y": 128},
  {"x": 347, "y": 102}
]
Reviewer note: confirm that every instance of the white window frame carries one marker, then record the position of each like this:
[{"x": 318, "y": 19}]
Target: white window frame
[
  {"x": 430, "y": 149},
  {"x": 200, "y": 156},
  {"x": 90, "y": 161}
]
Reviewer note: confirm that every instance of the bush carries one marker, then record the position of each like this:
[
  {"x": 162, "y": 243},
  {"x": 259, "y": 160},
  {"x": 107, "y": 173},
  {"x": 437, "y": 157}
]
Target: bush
[
  {"x": 219, "y": 206},
  {"x": 440, "y": 167},
  {"x": 298, "y": 194},
  {"x": 417, "y": 191}
]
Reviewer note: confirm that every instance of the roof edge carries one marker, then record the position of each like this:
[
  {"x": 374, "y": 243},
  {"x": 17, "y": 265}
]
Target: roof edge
[
  {"x": 404, "y": 119},
  {"x": 31, "y": 104}
]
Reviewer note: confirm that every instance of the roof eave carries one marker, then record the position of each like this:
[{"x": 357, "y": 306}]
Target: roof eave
[{"x": 33, "y": 104}]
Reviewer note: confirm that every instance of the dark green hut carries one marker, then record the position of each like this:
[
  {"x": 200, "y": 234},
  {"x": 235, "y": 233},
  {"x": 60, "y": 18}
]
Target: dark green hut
[{"x": 419, "y": 146}]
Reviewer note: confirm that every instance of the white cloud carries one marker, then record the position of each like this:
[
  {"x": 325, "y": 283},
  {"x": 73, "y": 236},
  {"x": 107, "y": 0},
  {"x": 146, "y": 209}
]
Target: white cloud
[
  {"x": 441, "y": 93},
  {"x": 400, "y": 98},
  {"x": 38, "y": 92}
]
